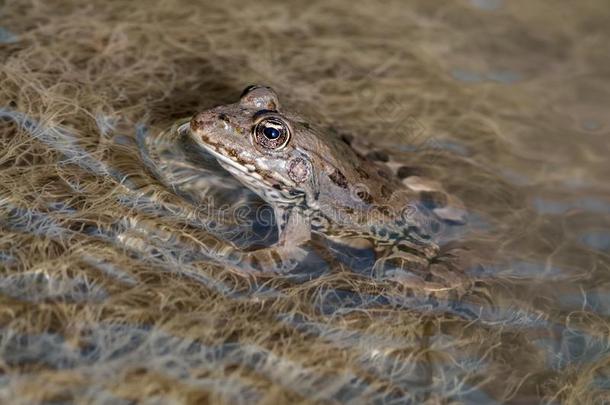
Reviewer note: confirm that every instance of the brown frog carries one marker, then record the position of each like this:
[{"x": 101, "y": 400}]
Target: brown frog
[{"x": 317, "y": 182}]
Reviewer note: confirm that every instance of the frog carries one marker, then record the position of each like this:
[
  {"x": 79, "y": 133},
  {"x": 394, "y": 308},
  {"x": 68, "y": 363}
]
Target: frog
[{"x": 319, "y": 183}]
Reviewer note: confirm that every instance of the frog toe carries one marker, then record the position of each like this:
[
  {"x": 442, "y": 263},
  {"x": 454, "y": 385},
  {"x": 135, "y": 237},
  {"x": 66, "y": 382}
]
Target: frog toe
[
  {"x": 273, "y": 260},
  {"x": 414, "y": 272}
]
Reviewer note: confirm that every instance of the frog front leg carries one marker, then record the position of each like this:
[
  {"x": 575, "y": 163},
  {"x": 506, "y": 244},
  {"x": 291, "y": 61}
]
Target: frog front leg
[{"x": 294, "y": 230}]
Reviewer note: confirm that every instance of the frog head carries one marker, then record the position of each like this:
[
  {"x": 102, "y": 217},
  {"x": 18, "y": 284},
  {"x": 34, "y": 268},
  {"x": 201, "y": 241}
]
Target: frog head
[{"x": 259, "y": 144}]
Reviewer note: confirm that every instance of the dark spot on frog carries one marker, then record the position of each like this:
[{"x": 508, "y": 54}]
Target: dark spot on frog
[
  {"x": 393, "y": 236},
  {"x": 277, "y": 186},
  {"x": 232, "y": 153},
  {"x": 348, "y": 210},
  {"x": 407, "y": 249},
  {"x": 362, "y": 173},
  {"x": 385, "y": 192},
  {"x": 223, "y": 117},
  {"x": 275, "y": 256},
  {"x": 305, "y": 124},
  {"x": 338, "y": 178},
  {"x": 197, "y": 123},
  {"x": 433, "y": 199},
  {"x": 384, "y": 210},
  {"x": 360, "y": 156},
  {"x": 419, "y": 231},
  {"x": 347, "y": 139},
  {"x": 383, "y": 174},
  {"x": 364, "y": 196},
  {"x": 407, "y": 171},
  {"x": 378, "y": 155},
  {"x": 255, "y": 263}
]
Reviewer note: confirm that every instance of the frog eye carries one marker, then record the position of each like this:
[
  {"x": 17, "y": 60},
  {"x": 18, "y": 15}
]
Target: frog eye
[{"x": 272, "y": 133}]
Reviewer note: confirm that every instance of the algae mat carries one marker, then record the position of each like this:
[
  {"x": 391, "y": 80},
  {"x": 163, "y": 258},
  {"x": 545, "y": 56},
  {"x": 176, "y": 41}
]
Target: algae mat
[{"x": 104, "y": 298}]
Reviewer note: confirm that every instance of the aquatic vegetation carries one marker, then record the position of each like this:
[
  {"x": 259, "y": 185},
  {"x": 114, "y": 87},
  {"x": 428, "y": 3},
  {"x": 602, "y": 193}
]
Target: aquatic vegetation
[{"x": 114, "y": 278}]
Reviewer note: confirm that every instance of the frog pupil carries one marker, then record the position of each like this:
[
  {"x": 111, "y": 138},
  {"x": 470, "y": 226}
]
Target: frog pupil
[{"x": 271, "y": 132}]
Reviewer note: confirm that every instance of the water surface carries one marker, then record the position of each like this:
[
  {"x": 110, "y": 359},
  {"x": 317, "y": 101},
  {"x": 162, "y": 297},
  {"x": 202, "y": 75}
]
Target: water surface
[{"x": 112, "y": 286}]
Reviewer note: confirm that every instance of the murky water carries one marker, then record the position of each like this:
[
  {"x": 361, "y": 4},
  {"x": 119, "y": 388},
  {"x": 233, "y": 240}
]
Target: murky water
[{"x": 112, "y": 284}]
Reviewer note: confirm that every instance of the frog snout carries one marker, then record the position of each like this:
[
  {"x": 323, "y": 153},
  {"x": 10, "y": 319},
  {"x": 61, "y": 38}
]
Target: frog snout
[{"x": 203, "y": 121}]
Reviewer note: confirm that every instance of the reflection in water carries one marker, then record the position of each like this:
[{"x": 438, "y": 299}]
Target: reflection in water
[
  {"x": 547, "y": 206},
  {"x": 599, "y": 240},
  {"x": 489, "y": 5},
  {"x": 498, "y": 76},
  {"x": 115, "y": 281},
  {"x": 7, "y": 37}
]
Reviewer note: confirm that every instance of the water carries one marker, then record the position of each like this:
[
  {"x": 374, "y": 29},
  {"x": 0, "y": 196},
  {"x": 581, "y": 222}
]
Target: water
[{"x": 113, "y": 283}]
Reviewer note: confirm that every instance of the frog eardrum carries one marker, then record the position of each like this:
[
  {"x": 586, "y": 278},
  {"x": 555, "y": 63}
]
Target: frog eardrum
[{"x": 299, "y": 170}]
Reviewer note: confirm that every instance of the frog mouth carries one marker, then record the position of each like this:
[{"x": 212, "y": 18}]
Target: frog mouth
[
  {"x": 248, "y": 173},
  {"x": 266, "y": 187},
  {"x": 237, "y": 169},
  {"x": 226, "y": 162}
]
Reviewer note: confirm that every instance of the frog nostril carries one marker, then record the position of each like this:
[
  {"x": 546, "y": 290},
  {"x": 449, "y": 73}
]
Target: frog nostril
[{"x": 197, "y": 123}]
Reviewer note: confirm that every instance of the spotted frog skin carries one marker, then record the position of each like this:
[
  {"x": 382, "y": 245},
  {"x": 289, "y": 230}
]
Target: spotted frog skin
[{"x": 317, "y": 182}]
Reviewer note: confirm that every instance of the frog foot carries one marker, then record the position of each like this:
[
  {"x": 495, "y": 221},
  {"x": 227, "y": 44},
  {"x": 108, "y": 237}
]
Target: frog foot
[
  {"x": 426, "y": 274},
  {"x": 406, "y": 269},
  {"x": 271, "y": 260}
]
